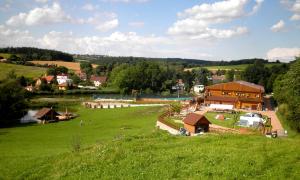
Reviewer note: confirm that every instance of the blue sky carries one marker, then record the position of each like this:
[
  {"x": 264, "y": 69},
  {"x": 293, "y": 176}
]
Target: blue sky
[{"x": 199, "y": 29}]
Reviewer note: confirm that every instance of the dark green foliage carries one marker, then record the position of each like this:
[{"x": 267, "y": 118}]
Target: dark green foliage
[
  {"x": 57, "y": 70},
  {"x": 13, "y": 102},
  {"x": 29, "y": 53},
  {"x": 44, "y": 85},
  {"x": 230, "y": 75},
  {"x": 75, "y": 78},
  {"x": 87, "y": 68},
  {"x": 287, "y": 93},
  {"x": 201, "y": 76},
  {"x": 258, "y": 73}
]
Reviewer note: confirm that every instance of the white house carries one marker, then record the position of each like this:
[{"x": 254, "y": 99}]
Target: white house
[{"x": 63, "y": 78}]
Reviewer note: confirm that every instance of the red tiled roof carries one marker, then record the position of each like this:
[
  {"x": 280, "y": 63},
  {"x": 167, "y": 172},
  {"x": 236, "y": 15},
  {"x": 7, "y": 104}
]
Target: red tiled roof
[
  {"x": 49, "y": 78},
  {"x": 101, "y": 79},
  {"x": 241, "y": 86},
  {"x": 193, "y": 118}
]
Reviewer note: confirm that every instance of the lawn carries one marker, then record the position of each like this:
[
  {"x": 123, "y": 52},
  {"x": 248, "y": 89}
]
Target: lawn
[
  {"x": 5, "y": 55},
  {"x": 21, "y": 147},
  {"x": 27, "y": 71},
  {"x": 124, "y": 144},
  {"x": 230, "y": 122}
]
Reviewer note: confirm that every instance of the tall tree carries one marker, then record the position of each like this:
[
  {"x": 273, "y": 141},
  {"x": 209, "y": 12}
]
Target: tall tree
[
  {"x": 13, "y": 102},
  {"x": 287, "y": 91}
]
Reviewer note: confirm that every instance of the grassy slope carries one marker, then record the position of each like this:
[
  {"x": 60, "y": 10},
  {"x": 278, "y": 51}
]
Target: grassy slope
[
  {"x": 5, "y": 55},
  {"x": 123, "y": 144},
  {"x": 21, "y": 147},
  {"x": 27, "y": 71}
]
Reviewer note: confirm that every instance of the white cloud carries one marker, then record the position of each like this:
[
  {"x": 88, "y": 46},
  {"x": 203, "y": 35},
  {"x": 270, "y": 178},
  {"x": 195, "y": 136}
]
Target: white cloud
[
  {"x": 278, "y": 27},
  {"x": 126, "y": 1},
  {"x": 103, "y": 22},
  {"x": 108, "y": 25},
  {"x": 196, "y": 22},
  {"x": 41, "y": 1},
  {"x": 137, "y": 24},
  {"x": 11, "y": 37},
  {"x": 283, "y": 54},
  {"x": 293, "y": 6},
  {"x": 37, "y": 16},
  {"x": 116, "y": 44},
  {"x": 295, "y": 17},
  {"x": 90, "y": 7},
  {"x": 256, "y": 7}
]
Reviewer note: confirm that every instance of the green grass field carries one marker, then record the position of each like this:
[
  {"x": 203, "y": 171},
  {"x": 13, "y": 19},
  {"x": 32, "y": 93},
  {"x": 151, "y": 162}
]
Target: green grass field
[
  {"x": 5, "y": 55},
  {"x": 27, "y": 71},
  {"x": 236, "y": 67},
  {"x": 124, "y": 144}
]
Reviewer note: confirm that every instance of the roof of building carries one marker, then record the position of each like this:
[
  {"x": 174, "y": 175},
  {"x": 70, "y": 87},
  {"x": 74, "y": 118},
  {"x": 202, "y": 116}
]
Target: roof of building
[
  {"x": 241, "y": 86},
  {"x": 43, "y": 112},
  {"x": 49, "y": 78},
  {"x": 101, "y": 79},
  {"x": 193, "y": 119}
]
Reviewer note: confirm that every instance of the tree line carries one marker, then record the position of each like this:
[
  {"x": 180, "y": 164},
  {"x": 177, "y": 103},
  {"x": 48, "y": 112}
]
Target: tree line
[{"x": 29, "y": 53}]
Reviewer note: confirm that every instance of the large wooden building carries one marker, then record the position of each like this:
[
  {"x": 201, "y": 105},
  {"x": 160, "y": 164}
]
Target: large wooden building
[{"x": 240, "y": 94}]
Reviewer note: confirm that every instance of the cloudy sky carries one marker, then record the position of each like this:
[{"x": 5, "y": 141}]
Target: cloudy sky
[{"x": 198, "y": 29}]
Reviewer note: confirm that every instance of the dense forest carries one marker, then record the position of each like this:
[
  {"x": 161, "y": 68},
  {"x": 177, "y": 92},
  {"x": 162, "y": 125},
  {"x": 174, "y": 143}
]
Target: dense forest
[{"x": 29, "y": 54}]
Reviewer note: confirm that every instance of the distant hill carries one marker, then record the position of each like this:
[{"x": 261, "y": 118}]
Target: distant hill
[
  {"x": 29, "y": 53},
  {"x": 100, "y": 59}
]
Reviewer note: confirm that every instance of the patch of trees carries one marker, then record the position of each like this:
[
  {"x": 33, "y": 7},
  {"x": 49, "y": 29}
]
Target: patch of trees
[
  {"x": 154, "y": 77},
  {"x": 258, "y": 73},
  {"x": 30, "y": 53},
  {"x": 287, "y": 94},
  {"x": 13, "y": 100}
]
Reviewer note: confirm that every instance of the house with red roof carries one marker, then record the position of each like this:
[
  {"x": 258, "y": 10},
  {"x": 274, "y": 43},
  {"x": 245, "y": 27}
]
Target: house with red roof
[{"x": 98, "y": 80}]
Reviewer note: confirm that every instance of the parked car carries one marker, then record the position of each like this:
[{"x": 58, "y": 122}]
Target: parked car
[{"x": 251, "y": 120}]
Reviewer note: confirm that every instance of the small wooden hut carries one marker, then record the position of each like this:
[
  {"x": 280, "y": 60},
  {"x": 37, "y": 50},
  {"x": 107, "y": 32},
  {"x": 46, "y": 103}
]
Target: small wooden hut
[
  {"x": 47, "y": 115},
  {"x": 196, "y": 123}
]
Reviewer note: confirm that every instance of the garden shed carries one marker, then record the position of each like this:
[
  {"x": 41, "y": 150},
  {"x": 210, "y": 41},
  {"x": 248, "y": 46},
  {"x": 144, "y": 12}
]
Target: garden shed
[{"x": 196, "y": 123}]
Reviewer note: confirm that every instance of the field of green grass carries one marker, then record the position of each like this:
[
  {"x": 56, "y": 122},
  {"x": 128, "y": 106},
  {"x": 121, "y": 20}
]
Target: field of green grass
[
  {"x": 124, "y": 144},
  {"x": 236, "y": 67},
  {"x": 5, "y": 55},
  {"x": 27, "y": 71}
]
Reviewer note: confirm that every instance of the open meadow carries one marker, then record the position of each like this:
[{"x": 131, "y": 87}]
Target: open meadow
[
  {"x": 20, "y": 70},
  {"x": 124, "y": 144},
  {"x": 240, "y": 67}
]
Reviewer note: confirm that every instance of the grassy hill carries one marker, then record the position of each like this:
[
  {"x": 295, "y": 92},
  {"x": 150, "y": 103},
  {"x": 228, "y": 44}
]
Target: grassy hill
[
  {"x": 27, "y": 71},
  {"x": 124, "y": 144}
]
